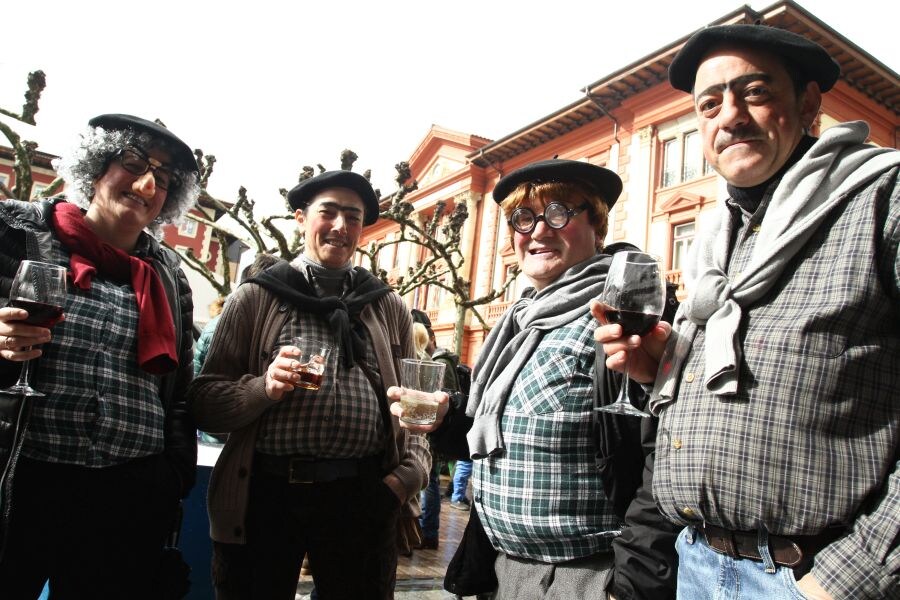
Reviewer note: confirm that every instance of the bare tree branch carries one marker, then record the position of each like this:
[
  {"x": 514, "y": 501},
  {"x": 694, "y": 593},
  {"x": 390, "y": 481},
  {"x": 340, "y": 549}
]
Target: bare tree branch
[{"x": 438, "y": 237}]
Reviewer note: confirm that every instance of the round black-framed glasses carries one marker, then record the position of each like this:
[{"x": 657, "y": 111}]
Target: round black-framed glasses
[{"x": 556, "y": 215}]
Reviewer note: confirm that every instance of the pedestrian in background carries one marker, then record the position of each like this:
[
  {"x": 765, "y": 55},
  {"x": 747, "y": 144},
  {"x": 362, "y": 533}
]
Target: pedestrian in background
[{"x": 431, "y": 495}]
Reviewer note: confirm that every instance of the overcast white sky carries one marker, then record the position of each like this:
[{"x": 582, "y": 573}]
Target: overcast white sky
[{"x": 270, "y": 86}]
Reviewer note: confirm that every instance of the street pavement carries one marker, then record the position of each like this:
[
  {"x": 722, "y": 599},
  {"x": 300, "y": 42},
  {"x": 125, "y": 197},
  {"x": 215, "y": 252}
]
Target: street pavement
[{"x": 415, "y": 589}]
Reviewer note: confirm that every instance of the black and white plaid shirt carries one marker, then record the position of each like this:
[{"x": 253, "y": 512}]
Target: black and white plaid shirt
[
  {"x": 811, "y": 439},
  {"x": 341, "y": 419},
  {"x": 100, "y": 408}
]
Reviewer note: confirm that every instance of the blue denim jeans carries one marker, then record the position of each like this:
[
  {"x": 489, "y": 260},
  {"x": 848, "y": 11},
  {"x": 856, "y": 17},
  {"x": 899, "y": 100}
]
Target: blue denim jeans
[
  {"x": 704, "y": 574},
  {"x": 430, "y": 519},
  {"x": 461, "y": 475}
]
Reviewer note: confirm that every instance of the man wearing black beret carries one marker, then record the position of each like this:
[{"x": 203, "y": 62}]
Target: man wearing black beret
[
  {"x": 776, "y": 387},
  {"x": 326, "y": 472}
]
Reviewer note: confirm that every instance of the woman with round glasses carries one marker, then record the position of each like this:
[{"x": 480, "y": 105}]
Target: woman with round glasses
[
  {"x": 92, "y": 473},
  {"x": 538, "y": 491}
]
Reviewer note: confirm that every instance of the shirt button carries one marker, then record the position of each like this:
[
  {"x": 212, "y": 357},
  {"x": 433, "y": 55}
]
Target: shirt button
[
  {"x": 238, "y": 531},
  {"x": 242, "y": 472},
  {"x": 676, "y": 443},
  {"x": 689, "y": 377},
  {"x": 688, "y": 513},
  {"x": 756, "y": 228}
]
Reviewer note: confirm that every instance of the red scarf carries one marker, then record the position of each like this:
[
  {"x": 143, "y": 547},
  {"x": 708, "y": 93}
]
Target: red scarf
[{"x": 156, "y": 329}]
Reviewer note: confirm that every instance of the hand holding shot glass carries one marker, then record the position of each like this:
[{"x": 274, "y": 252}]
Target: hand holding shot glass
[
  {"x": 301, "y": 364},
  {"x": 420, "y": 379},
  {"x": 312, "y": 360}
]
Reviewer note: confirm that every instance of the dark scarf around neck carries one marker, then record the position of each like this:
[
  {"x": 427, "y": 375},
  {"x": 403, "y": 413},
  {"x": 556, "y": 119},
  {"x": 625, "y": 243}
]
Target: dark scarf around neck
[
  {"x": 342, "y": 314},
  {"x": 750, "y": 197}
]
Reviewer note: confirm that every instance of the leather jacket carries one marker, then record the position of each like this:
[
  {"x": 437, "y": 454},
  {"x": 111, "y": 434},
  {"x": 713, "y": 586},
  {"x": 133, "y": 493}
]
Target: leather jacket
[{"x": 25, "y": 234}]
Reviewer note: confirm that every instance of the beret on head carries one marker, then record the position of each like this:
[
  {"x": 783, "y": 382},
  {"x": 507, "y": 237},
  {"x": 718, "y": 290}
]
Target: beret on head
[
  {"x": 606, "y": 183},
  {"x": 183, "y": 157},
  {"x": 420, "y": 316},
  {"x": 810, "y": 59},
  {"x": 304, "y": 192}
]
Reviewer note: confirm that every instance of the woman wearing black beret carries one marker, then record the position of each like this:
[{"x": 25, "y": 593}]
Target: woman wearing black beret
[{"x": 93, "y": 471}]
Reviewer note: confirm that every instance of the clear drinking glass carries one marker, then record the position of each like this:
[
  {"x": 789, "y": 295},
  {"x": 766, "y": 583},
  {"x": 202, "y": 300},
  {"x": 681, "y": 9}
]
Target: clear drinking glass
[
  {"x": 419, "y": 379},
  {"x": 40, "y": 289},
  {"x": 634, "y": 297}
]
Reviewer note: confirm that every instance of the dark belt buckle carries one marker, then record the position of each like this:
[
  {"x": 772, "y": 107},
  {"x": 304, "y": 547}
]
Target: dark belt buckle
[{"x": 300, "y": 471}]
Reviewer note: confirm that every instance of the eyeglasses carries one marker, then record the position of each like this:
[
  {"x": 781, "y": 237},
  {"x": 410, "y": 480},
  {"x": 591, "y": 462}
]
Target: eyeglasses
[
  {"x": 556, "y": 216},
  {"x": 137, "y": 163}
]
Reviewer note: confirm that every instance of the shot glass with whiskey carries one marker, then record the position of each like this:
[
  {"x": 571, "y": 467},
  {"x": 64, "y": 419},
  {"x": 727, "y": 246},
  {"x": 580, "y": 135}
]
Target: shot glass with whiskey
[{"x": 313, "y": 359}]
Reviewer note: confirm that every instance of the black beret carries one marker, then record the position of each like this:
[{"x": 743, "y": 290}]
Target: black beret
[
  {"x": 306, "y": 190},
  {"x": 183, "y": 157},
  {"x": 420, "y": 316},
  {"x": 809, "y": 58},
  {"x": 606, "y": 183}
]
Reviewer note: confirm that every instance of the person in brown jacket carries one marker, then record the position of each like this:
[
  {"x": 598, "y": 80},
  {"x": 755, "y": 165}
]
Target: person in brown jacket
[{"x": 320, "y": 472}]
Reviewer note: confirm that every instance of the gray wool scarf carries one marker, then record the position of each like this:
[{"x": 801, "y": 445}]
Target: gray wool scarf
[
  {"x": 836, "y": 165},
  {"x": 514, "y": 339}
]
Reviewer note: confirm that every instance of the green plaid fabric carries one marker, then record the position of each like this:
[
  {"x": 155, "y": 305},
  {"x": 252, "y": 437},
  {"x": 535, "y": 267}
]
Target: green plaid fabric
[
  {"x": 339, "y": 420},
  {"x": 543, "y": 498},
  {"x": 101, "y": 409}
]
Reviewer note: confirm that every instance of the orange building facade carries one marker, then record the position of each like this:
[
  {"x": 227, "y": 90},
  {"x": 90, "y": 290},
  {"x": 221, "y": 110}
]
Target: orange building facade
[{"x": 634, "y": 123}]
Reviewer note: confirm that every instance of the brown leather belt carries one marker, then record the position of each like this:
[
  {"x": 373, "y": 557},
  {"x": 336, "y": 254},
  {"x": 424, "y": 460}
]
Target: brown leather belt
[
  {"x": 297, "y": 469},
  {"x": 785, "y": 551}
]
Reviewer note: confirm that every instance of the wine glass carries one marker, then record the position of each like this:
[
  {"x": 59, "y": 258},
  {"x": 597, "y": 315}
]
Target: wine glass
[
  {"x": 634, "y": 297},
  {"x": 40, "y": 289}
]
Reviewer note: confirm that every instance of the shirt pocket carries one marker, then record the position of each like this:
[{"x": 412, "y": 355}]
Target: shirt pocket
[
  {"x": 813, "y": 335},
  {"x": 545, "y": 383}
]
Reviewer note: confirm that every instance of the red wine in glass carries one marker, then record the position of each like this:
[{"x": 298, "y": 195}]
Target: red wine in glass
[
  {"x": 40, "y": 289},
  {"x": 633, "y": 297},
  {"x": 40, "y": 314},
  {"x": 632, "y": 322}
]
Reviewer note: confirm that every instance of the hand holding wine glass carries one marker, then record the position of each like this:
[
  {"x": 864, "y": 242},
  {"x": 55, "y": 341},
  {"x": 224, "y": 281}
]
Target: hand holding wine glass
[
  {"x": 634, "y": 297},
  {"x": 39, "y": 289}
]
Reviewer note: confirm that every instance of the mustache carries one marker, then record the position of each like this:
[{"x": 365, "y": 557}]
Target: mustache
[{"x": 736, "y": 135}]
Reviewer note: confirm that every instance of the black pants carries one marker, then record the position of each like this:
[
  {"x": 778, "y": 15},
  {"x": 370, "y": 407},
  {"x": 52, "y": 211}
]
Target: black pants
[
  {"x": 95, "y": 534},
  {"x": 347, "y": 527}
]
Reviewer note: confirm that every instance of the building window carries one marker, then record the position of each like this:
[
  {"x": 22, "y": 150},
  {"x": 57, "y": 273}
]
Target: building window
[
  {"x": 693, "y": 157},
  {"x": 435, "y": 297},
  {"x": 682, "y": 238},
  {"x": 36, "y": 190},
  {"x": 188, "y": 228},
  {"x": 682, "y": 159},
  {"x": 401, "y": 249},
  {"x": 387, "y": 254},
  {"x": 670, "y": 163},
  {"x": 512, "y": 292}
]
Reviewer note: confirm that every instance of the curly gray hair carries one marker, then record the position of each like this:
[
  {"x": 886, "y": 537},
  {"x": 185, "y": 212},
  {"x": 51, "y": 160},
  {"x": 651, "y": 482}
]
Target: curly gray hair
[{"x": 89, "y": 159}]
